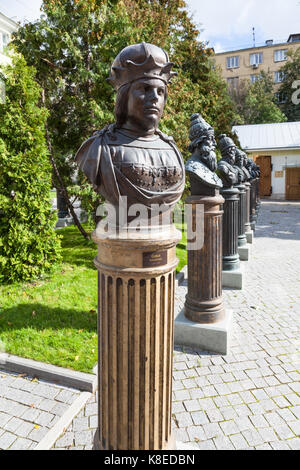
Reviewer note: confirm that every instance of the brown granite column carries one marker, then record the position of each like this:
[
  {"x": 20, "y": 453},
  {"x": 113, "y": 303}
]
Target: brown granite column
[
  {"x": 204, "y": 300},
  {"x": 136, "y": 277}
]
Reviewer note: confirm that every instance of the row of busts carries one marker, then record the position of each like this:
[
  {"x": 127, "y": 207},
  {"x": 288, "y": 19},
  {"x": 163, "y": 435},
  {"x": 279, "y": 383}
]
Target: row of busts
[{"x": 203, "y": 168}]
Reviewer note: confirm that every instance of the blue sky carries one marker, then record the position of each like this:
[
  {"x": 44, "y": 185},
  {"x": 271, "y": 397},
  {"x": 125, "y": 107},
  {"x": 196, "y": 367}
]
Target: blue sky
[{"x": 226, "y": 25}]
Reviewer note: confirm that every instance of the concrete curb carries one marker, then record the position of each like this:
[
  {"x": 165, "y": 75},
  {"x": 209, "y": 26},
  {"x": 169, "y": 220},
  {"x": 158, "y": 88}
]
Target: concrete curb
[
  {"x": 63, "y": 423},
  {"x": 59, "y": 375}
]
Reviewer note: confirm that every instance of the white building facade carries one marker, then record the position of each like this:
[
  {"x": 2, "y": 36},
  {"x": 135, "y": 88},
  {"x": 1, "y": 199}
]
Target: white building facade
[
  {"x": 7, "y": 27},
  {"x": 276, "y": 148}
]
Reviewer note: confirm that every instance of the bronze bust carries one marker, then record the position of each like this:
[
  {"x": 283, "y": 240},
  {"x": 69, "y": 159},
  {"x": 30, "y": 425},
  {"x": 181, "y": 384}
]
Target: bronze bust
[
  {"x": 226, "y": 166},
  {"x": 202, "y": 165},
  {"x": 132, "y": 157}
]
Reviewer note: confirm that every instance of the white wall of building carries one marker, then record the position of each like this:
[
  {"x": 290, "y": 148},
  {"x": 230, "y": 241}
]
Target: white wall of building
[
  {"x": 7, "y": 27},
  {"x": 280, "y": 160}
]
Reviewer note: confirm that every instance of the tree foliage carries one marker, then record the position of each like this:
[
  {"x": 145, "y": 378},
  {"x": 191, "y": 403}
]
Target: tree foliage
[
  {"x": 256, "y": 102},
  {"x": 290, "y": 86},
  {"x": 28, "y": 243}
]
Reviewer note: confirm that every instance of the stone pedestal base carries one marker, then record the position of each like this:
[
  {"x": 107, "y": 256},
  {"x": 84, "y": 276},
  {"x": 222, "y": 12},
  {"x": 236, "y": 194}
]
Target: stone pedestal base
[
  {"x": 245, "y": 252},
  {"x": 250, "y": 237},
  {"x": 214, "y": 337},
  {"x": 233, "y": 279},
  {"x": 136, "y": 281},
  {"x": 170, "y": 445},
  {"x": 204, "y": 301},
  {"x": 65, "y": 222}
]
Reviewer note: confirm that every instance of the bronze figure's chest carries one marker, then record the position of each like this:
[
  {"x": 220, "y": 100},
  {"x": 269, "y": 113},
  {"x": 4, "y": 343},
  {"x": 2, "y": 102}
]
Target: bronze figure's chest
[{"x": 154, "y": 167}]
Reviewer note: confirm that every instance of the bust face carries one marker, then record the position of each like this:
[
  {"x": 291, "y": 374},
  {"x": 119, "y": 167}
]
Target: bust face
[
  {"x": 230, "y": 155},
  {"x": 239, "y": 159},
  {"x": 210, "y": 141},
  {"x": 145, "y": 106}
]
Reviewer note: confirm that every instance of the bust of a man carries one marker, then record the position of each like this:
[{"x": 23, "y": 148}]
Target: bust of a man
[
  {"x": 202, "y": 165},
  {"x": 229, "y": 174},
  {"x": 252, "y": 168},
  {"x": 241, "y": 159},
  {"x": 132, "y": 157}
]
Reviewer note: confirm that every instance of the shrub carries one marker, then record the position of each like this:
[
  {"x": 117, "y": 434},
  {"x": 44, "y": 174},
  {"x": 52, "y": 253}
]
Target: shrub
[{"x": 29, "y": 245}]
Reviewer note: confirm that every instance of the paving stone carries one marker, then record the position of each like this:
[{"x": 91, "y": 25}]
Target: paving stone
[
  {"x": 229, "y": 428},
  {"x": 239, "y": 442},
  {"x": 196, "y": 433},
  {"x": 21, "y": 444},
  {"x": 294, "y": 444},
  {"x": 81, "y": 424},
  {"x": 67, "y": 440},
  {"x": 6, "y": 440},
  {"x": 199, "y": 417},
  {"x": 253, "y": 437},
  {"x": 83, "y": 438},
  {"x": 212, "y": 430},
  {"x": 207, "y": 445},
  {"x": 223, "y": 443},
  {"x": 37, "y": 434},
  {"x": 268, "y": 434},
  {"x": 4, "y": 418}
]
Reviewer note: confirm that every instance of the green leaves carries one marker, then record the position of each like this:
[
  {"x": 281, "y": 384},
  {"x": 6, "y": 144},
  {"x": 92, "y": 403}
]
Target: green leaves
[{"x": 28, "y": 243}]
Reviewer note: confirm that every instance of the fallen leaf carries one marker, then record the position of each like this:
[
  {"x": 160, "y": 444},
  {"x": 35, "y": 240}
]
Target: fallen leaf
[
  {"x": 32, "y": 405},
  {"x": 37, "y": 426}
]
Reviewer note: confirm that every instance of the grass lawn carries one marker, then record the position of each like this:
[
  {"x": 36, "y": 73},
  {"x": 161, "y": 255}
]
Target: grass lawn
[{"x": 54, "y": 319}]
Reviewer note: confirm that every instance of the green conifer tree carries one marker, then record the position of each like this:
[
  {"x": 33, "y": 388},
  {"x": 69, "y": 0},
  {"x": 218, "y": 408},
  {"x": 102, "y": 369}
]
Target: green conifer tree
[{"x": 29, "y": 246}]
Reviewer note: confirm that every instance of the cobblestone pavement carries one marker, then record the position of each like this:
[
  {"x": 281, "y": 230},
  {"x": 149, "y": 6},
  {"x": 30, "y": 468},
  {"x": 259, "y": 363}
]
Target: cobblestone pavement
[
  {"x": 29, "y": 408},
  {"x": 250, "y": 398}
]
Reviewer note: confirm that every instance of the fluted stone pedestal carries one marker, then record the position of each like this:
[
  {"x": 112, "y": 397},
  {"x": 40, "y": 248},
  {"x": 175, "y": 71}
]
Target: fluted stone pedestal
[
  {"x": 136, "y": 277},
  {"x": 232, "y": 275},
  {"x": 243, "y": 248},
  {"x": 203, "y": 322},
  {"x": 253, "y": 215},
  {"x": 248, "y": 230},
  {"x": 204, "y": 300}
]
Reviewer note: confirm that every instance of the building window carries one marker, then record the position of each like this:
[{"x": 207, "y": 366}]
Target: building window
[
  {"x": 278, "y": 77},
  {"x": 4, "y": 40},
  {"x": 232, "y": 62},
  {"x": 256, "y": 59},
  {"x": 233, "y": 82},
  {"x": 280, "y": 97},
  {"x": 280, "y": 55},
  {"x": 254, "y": 78}
]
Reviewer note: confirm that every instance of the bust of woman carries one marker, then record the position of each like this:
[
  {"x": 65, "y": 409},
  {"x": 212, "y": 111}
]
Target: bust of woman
[{"x": 132, "y": 157}]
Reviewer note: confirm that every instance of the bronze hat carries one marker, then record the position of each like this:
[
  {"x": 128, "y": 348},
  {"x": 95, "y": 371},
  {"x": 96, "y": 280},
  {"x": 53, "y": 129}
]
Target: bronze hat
[{"x": 140, "y": 61}]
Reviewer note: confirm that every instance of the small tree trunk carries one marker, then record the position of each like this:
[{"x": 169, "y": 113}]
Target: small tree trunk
[{"x": 62, "y": 188}]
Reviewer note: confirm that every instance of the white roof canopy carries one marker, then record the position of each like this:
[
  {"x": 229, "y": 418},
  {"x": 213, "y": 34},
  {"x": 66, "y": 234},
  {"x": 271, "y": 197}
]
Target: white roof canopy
[{"x": 284, "y": 135}]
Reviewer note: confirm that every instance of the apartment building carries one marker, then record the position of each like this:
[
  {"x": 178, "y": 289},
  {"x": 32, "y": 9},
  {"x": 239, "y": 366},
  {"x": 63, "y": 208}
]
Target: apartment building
[
  {"x": 7, "y": 27},
  {"x": 247, "y": 63}
]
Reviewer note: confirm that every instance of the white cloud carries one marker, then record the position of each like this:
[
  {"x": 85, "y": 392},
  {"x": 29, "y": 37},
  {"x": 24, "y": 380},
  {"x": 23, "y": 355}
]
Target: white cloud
[{"x": 272, "y": 19}]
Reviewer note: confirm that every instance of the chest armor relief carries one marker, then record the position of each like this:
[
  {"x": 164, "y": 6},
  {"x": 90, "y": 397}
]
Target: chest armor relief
[{"x": 152, "y": 169}]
